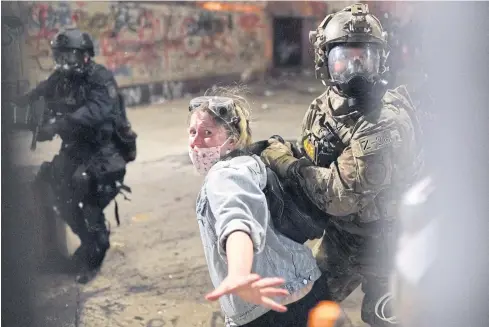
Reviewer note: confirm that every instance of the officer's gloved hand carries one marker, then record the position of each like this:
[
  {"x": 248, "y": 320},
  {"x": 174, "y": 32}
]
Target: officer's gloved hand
[
  {"x": 48, "y": 131},
  {"x": 278, "y": 157}
]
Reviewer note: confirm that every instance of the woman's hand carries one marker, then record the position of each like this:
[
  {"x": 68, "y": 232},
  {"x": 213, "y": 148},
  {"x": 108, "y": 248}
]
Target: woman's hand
[{"x": 252, "y": 288}]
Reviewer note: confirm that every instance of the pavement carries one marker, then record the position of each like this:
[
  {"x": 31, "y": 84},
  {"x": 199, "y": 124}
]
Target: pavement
[{"x": 155, "y": 273}]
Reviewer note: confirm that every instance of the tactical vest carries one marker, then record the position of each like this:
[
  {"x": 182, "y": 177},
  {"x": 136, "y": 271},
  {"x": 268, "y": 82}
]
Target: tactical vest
[
  {"x": 343, "y": 128},
  {"x": 325, "y": 137}
]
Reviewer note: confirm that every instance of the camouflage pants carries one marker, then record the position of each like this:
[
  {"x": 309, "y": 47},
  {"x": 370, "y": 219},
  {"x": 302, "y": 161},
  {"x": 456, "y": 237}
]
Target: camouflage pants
[{"x": 349, "y": 260}]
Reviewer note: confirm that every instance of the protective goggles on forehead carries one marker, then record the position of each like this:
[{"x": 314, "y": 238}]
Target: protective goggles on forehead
[{"x": 222, "y": 107}]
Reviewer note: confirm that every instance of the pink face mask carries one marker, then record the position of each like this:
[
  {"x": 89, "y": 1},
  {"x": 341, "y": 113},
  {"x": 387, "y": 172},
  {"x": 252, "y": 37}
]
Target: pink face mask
[{"x": 204, "y": 158}]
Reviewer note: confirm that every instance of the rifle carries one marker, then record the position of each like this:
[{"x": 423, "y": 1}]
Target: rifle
[
  {"x": 334, "y": 137},
  {"x": 37, "y": 113},
  {"x": 329, "y": 148}
]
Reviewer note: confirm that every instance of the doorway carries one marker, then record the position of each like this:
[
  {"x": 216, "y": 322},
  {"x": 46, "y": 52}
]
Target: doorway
[{"x": 287, "y": 42}]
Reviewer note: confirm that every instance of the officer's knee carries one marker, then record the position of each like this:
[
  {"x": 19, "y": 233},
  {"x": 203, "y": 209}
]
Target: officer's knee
[{"x": 103, "y": 240}]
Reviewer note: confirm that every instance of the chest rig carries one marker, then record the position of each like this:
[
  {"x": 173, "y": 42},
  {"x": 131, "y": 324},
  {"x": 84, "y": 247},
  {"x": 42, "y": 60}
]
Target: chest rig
[
  {"x": 324, "y": 137},
  {"x": 67, "y": 94}
]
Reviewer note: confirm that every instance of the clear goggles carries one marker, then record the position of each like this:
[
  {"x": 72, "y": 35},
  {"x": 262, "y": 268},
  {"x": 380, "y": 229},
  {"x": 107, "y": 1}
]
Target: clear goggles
[
  {"x": 346, "y": 61},
  {"x": 222, "y": 107}
]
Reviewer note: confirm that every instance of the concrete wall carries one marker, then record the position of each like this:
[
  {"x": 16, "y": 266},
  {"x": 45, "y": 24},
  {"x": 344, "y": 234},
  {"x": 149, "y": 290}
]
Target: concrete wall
[
  {"x": 14, "y": 71},
  {"x": 156, "y": 51}
]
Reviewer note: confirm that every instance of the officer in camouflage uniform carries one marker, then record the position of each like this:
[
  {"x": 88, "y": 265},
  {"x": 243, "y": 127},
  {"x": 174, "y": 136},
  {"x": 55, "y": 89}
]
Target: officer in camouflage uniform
[
  {"x": 360, "y": 149},
  {"x": 86, "y": 111}
]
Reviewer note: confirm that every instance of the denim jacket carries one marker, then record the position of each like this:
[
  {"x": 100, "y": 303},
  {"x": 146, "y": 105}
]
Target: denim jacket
[{"x": 231, "y": 200}]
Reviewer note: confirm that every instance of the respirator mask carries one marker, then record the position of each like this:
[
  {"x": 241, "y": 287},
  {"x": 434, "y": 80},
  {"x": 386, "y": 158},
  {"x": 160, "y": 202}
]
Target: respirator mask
[{"x": 355, "y": 71}]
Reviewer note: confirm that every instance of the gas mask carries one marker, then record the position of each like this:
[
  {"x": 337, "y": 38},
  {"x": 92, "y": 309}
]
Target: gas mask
[
  {"x": 69, "y": 60},
  {"x": 223, "y": 108},
  {"x": 354, "y": 70}
]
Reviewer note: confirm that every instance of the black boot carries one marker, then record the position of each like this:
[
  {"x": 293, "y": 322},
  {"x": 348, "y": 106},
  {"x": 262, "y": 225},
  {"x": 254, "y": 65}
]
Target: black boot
[
  {"x": 100, "y": 246},
  {"x": 90, "y": 256}
]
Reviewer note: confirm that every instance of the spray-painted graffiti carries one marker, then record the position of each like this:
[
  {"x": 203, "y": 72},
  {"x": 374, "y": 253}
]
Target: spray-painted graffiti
[
  {"x": 151, "y": 93},
  {"x": 144, "y": 43}
]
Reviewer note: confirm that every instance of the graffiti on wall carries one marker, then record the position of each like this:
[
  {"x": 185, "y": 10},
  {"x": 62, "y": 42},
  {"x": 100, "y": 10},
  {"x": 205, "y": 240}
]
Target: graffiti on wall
[{"x": 145, "y": 43}]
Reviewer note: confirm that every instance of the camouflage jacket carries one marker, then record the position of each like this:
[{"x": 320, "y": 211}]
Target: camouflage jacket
[{"x": 381, "y": 157}]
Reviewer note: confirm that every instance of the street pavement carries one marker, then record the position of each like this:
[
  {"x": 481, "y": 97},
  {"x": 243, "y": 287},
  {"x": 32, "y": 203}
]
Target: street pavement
[{"x": 155, "y": 273}]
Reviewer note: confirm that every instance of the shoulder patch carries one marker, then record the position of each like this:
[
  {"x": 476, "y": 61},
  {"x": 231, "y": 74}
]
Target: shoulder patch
[
  {"x": 375, "y": 173},
  {"x": 372, "y": 143},
  {"x": 111, "y": 88}
]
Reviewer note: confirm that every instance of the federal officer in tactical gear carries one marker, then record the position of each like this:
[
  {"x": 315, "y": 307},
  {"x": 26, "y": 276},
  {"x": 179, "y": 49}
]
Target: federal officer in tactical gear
[
  {"x": 85, "y": 109},
  {"x": 359, "y": 149}
]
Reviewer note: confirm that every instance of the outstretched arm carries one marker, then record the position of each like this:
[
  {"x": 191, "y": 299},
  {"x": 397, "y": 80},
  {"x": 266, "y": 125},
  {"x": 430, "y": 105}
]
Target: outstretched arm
[{"x": 241, "y": 211}]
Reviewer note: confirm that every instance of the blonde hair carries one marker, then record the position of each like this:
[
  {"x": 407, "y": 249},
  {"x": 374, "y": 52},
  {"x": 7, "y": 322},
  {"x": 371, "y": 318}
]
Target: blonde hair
[{"x": 242, "y": 132}]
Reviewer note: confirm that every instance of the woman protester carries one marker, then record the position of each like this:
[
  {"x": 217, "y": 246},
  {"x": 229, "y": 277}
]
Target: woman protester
[{"x": 261, "y": 277}]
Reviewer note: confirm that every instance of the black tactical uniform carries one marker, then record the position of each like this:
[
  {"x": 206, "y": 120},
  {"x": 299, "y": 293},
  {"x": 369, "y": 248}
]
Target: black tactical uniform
[{"x": 86, "y": 111}]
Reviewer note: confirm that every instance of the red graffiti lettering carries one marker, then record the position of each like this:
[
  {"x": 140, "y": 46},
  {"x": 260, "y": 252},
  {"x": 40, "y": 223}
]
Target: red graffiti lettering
[{"x": 42, "y": 15}]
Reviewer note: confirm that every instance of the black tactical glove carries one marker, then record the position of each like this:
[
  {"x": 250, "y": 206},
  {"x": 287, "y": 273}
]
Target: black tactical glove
[{"x": 48, "y": 131}]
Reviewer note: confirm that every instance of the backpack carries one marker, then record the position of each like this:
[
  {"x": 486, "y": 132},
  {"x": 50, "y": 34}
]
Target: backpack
[{"x": 292, "y": 213}]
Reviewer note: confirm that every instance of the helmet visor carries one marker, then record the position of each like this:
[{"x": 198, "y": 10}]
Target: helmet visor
[
  {"x": 346, "y": 61},
  {"x": 68, "y": 58}
]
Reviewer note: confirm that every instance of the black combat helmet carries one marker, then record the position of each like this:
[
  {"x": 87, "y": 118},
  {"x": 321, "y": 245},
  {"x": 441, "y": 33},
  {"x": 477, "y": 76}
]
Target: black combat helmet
[{"x": 72, "y": 50}]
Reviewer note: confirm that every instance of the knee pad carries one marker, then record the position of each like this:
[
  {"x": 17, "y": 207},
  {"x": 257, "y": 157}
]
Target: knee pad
[{"x": 103, "y": 239}]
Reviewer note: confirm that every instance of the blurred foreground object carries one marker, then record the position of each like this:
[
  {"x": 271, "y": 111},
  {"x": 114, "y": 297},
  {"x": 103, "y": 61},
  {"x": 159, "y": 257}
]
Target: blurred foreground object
[
  {"x": 328, "y": 314},
  {"x": 442, "y": 262},
  {"x": 416, "y": 251}
]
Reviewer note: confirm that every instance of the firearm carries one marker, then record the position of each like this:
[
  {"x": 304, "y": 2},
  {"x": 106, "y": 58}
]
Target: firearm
[
  {"x": 334, "y": 137},
  {"x": 329, "y": 147},
  {"x": 37, "y": 113}
]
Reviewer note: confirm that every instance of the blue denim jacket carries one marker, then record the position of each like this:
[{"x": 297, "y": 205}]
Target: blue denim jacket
[{"x": 231, "y": 200}]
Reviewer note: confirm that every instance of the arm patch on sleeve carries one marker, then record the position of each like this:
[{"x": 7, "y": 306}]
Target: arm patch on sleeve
[
  {"x": 112, "y": 90},
  {"x": 372, "y": 143}
]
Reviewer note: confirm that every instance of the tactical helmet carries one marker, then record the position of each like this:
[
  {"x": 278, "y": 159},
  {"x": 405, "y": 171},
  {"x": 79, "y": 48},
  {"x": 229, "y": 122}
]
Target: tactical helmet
[
  {"x": 71, "y": 49},
  {"x": 351, "y": 26}
]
